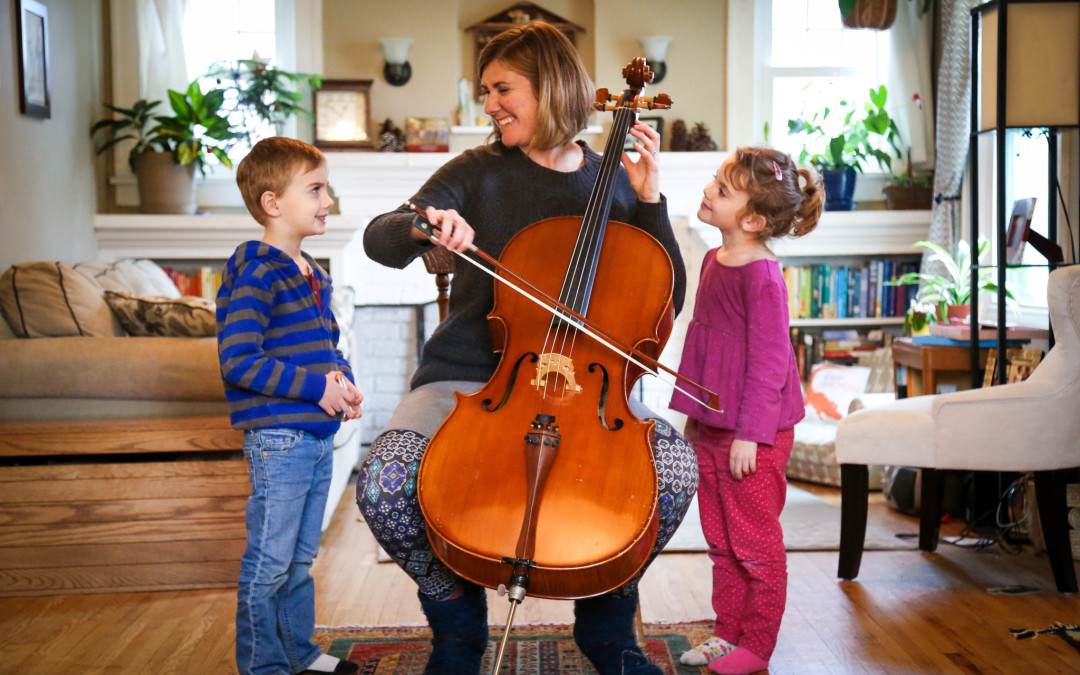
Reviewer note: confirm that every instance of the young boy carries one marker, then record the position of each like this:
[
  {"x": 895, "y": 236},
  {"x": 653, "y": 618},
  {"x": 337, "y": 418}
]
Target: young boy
[{"x": 288, "y": 388}]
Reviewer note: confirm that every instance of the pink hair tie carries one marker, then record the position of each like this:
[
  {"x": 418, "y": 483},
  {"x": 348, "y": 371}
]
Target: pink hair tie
[{"x": 776, "y": 167}]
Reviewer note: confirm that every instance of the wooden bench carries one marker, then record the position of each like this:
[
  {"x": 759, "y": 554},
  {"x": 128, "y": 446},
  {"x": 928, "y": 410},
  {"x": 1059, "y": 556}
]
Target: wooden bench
[{"x": 121, "y": 505}]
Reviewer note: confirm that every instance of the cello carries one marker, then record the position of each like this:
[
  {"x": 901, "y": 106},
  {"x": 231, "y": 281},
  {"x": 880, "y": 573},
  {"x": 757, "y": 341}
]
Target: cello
[{"x": 544, "y": 480}]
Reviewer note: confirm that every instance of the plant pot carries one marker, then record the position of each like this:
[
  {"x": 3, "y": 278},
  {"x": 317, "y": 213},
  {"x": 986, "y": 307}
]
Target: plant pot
[
  {"x": 873, "y": 14},
  {"x": 164, "y": 186},
  {"x": 955, "y": 314},
  {"x": 908, "y": 197},
  {"x": 839, "y": 189}
]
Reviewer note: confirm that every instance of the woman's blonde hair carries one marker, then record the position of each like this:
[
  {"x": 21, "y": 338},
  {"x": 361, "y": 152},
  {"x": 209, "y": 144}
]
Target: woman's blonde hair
[
  {"x": 772, "y": 181},
  {"x": 544, "y": 56}
]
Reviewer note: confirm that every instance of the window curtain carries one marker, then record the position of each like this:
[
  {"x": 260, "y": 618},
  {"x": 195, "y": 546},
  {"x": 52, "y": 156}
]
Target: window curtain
[
  {"x": 953, "y": 127},
  {"x": 161, "y": 48},
  {"x": 911, "y": 95}
]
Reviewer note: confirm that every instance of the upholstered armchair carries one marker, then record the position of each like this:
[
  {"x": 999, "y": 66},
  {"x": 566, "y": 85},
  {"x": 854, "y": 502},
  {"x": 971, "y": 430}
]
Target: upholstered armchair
[{"x": 1029, "y": 426}]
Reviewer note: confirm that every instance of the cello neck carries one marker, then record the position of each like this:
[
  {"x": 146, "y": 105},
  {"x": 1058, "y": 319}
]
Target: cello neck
[{"x": 578, "y": 284}]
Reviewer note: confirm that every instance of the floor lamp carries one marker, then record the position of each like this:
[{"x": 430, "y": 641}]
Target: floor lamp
[{"x": 1025, "y": 72}]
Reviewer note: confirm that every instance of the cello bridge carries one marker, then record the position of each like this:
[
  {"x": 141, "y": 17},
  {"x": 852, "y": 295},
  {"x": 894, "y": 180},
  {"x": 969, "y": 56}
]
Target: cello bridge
[{"x": 555, "y": 364}]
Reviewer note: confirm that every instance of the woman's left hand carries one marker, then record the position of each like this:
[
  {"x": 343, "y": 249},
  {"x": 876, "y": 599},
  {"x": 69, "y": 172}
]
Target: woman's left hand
[{"x": 645, "y": 173}]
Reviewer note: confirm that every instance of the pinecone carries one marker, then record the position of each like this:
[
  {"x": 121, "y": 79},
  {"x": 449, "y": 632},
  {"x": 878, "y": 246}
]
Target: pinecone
[
  {"x": 677, "y": 141},
  {"x": 700, "y": 141}
]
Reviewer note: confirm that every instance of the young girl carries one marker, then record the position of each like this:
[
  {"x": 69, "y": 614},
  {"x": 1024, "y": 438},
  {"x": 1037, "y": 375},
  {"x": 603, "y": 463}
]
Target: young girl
[{"x": 737, "y": 345}]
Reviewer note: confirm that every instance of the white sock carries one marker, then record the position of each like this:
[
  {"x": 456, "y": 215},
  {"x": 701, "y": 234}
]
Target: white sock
[
  {"x": 706, "y": 652},
  {"x": 325, "y": 663}
]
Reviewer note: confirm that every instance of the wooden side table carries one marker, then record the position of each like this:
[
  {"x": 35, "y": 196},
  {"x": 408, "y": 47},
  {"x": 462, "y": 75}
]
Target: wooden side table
[{"x": 924, "y": 362}]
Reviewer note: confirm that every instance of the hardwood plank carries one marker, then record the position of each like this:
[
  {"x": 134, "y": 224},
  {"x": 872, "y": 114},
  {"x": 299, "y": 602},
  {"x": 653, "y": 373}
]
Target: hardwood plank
[
  {"x": 95, "y": 437},
  {"x": 121, "y": 533},
  {"x": 128, "y": 510},
  {"x": 109, "y": 489},
  {"x": 168, "y": 469},
  {"x": 219, "y": 574},
  {"x": 14, "y": 558}
]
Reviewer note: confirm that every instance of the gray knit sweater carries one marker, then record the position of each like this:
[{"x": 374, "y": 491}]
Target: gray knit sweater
[{"x": 499, "y": 195}]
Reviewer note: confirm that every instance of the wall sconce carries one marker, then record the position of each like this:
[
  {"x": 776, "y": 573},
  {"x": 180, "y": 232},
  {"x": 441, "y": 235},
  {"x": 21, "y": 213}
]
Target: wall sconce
[
  {"x": 397, "y": 70},
  {"x": 655, "y": 47}
]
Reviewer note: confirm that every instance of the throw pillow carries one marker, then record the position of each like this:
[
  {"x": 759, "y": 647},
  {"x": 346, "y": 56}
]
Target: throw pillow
[
  {"x": 142, "y": 315},
  {"x": 52, "y": 299},
  {"x": 138, "y": 277},
  {"x": 831, "y": 388}
]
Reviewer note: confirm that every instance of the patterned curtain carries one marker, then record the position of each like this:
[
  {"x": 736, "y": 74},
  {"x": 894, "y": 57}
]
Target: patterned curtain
[{"x": 953, "y": 127}]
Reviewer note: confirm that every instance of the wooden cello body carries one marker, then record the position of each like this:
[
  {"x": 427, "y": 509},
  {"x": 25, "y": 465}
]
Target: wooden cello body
[{"x": 545, "y": 471}]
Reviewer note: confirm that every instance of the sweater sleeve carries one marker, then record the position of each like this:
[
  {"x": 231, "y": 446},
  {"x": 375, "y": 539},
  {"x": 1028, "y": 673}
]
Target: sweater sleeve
[
  {"x": 388, "y": 239},
  {"x": 244, "y": 364},
  {"x": 653, "y": 218},
  {"x": 767, "y": 346}
]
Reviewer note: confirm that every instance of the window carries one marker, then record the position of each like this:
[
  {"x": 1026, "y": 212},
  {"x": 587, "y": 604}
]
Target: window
[
  {"x": 229, "y": 30},
  {"x": 1028, "y": 177},
  {"x": 813, "y": 62}
]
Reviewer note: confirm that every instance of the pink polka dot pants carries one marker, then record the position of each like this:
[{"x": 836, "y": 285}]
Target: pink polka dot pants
[{"x": 741, "y": 522}]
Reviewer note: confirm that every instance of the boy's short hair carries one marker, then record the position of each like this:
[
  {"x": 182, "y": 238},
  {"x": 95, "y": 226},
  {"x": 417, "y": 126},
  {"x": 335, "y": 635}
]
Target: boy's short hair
[{"x": 270, "y": 166}]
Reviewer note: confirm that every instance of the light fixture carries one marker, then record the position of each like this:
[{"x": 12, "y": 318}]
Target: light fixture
[
  {"x": 655, "y": 47},
  {"x": 1039, "y": 64},
  {"x": 397, "y": 70}
]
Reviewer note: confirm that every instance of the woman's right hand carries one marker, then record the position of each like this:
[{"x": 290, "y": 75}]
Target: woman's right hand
[{"x": 454, "y": 233}]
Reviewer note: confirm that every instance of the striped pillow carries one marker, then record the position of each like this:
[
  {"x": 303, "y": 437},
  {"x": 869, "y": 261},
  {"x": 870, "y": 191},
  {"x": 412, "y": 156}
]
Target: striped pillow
[{"x": 53, "y": 299}]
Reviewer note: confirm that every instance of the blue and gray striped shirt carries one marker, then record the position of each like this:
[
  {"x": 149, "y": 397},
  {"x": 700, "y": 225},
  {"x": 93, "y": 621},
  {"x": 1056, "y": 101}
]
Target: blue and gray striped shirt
[{"x": 274, "y": 343}]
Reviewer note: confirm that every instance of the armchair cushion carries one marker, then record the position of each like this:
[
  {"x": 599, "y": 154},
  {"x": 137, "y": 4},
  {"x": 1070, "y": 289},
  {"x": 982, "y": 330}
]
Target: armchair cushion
[{"x": 139, "y": 277}]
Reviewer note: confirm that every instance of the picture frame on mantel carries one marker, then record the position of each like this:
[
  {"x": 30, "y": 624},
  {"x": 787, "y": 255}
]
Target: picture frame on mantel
[
  {"x": 343, "y": 115},
  {"x": 33, "y": 36}
]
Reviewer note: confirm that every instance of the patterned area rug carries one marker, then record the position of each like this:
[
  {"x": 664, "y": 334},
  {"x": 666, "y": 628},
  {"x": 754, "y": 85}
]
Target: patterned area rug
[{"x": 532, "y": 650}]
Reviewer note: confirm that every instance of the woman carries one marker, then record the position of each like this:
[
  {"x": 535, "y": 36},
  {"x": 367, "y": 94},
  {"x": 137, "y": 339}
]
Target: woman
[{"x": 539, "y": 98}]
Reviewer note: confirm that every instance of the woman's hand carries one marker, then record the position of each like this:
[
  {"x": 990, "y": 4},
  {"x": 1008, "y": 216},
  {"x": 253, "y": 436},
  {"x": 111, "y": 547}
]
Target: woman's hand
[
  {"x": 454, "y": 233},
  {"x": 645, "y": 173},
  {"x": 743, "y": 458}
]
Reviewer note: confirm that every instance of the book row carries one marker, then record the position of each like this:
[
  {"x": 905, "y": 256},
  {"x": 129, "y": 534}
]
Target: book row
[
  {"x": 824, "y": 291},
  {"x": 203, "y": 282}
]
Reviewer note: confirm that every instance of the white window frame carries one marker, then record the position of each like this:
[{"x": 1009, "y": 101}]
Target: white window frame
[
  {"x": 749, "y": 100},
  {"x": 299, "y": 48}
]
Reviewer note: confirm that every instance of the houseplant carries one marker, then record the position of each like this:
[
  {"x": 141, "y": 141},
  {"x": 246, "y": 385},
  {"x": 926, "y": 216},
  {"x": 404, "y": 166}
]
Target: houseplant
[
  {"x": 853, "y": 135},
  {"x": 258, "y": 93},
  {"x": 875, "y": 14},
  {"x": 165, "y": 156},
  {"x": 909, "y": 190},
  {"x": 951, "y": 293}
]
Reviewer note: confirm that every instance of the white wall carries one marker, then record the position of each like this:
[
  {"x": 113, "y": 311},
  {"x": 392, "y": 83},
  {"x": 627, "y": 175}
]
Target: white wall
[{"x": 47, "y": 193}]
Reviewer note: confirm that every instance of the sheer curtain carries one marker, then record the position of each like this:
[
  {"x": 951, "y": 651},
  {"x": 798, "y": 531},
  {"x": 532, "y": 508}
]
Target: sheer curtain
[
  {"x": 908, "y": 77},
  {"x": 161, "y": 48}
]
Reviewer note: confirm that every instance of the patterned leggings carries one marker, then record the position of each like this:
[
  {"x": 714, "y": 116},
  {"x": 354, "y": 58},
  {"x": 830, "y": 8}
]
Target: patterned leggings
[{"x": 386, "y": 495}]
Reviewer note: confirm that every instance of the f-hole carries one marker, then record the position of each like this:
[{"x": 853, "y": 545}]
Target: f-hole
[
  {"x": 601, "y": 405},
  {"x": 510, "y": 386}
]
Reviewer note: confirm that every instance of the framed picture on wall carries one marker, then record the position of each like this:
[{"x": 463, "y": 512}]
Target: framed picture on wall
[
  {"x": 343, "y": 115},
  {"x": 33, "y": 36},
  {"x": 654, "y": 122}
]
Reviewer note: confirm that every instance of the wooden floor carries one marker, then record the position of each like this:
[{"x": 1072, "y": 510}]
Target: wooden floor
[{"x": 907, "y": 613}]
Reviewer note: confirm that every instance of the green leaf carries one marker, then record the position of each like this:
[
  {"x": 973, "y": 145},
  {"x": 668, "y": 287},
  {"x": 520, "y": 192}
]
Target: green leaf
[{"x": 846, "y": 6}]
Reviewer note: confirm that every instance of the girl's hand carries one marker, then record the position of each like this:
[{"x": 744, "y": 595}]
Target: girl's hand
[
  {"x": 644, "y": 174},
  {"x": 454, "y": 233},
  {"x": 690, "y": 431},
  {"x": 743, "y": 459}
]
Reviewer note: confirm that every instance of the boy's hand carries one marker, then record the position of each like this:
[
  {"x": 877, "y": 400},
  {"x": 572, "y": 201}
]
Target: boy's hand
[
  {"x": 743, "y": 459},
  {"x": 340, "y": 396}
]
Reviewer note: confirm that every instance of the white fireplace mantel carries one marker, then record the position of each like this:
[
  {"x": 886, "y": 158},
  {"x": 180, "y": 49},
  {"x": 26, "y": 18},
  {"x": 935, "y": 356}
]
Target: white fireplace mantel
[{"x": 370, "y": 183}]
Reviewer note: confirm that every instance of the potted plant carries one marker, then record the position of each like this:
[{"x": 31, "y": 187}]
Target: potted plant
[
  {"x": 165, "y": 156},
  {"x": 875, "y": 14},
  {"x": 951, "y": 294},
  {"x": 909, "y": 191},
  {"x": 858, "y": 136},
  {"x": 256, "y": 93}
]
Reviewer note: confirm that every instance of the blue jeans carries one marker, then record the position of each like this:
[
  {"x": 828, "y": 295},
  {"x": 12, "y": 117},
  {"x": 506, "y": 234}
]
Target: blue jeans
[{"x": 290, "y": 473}]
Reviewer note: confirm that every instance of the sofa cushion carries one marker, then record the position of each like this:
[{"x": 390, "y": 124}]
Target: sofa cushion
[
  {"x": 5, "y": 330},
  {"x": 142, "y": 315},
  {"x": 138, "y": 277},
  {"x": 53, "y": 299}
]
